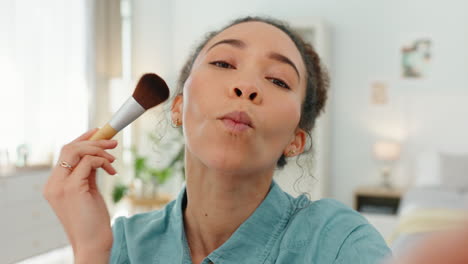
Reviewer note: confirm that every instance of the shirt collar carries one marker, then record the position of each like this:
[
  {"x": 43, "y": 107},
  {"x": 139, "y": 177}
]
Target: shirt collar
[{"x": 255, "y": 237}]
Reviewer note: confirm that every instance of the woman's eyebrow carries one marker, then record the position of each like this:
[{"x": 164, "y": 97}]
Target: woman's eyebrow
[
  {"x": 234, "y": 42},
  {"x": 284, "y": 59},
  {"x": 272, "y": 55}
]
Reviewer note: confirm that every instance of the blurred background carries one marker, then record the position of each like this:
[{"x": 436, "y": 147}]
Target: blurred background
[{"x": 391, "y": 144}]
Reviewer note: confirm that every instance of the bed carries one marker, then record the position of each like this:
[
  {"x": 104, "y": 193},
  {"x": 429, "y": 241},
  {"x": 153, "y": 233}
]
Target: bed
[{"x": 437, "y": 201}]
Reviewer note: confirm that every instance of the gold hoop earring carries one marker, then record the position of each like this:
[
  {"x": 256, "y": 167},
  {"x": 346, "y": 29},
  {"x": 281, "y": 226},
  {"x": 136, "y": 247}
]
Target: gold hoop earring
[{"x": 291, "y": 153}]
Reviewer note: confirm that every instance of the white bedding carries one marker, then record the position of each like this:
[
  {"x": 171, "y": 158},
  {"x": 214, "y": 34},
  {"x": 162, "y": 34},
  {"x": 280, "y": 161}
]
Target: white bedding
[
  {"x": 433, "y": 198},
  {"x": 422, "y": 198},
  {"x": 438, "y": 197}
]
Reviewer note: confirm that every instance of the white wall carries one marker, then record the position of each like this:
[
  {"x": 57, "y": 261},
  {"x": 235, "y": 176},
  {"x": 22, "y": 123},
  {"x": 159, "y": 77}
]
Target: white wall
[
  {"x": 366, "y": 36},
  {"x": 152, "y": 30}
]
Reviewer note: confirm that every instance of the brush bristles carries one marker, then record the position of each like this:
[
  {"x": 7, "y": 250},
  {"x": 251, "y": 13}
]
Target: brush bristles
[{"x": 150, "y": 91}]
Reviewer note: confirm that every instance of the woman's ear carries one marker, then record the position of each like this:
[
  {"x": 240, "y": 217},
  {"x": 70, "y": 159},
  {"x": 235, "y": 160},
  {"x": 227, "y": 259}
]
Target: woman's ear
[
  {"x": 297, "y": 144},
  {"x": 177, "y": 107}
]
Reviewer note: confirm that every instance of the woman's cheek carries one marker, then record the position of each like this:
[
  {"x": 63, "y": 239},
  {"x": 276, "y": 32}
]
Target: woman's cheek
[
  {"x": 192, "y": 93},
  {"x": 198, "y": 104},
  {"x": 289, "y": 113}
]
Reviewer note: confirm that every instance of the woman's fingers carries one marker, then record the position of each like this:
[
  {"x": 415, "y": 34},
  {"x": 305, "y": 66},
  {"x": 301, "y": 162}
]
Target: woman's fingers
[
  {"x": 88, "y": 164},
  {"x": 95, "y": 151},
  {"x": 85, "y": 136},
  {"x": 104, "y": 143},
  {"x": 73, "y": 152}
]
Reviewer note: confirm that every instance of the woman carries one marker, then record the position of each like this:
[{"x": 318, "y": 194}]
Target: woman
[{"x": 248, "y": 97}]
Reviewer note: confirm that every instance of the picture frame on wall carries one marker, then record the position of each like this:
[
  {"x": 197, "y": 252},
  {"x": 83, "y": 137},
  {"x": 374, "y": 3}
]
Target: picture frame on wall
[{"x": 416, "y": 58}]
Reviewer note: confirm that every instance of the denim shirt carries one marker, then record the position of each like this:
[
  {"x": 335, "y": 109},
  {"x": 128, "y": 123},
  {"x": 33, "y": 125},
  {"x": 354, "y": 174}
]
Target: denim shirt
[{"x": 282, "y": 229}]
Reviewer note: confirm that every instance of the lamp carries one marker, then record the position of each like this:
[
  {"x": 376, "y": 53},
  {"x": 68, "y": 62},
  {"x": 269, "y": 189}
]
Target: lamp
[{"x": 387, "y": 152}]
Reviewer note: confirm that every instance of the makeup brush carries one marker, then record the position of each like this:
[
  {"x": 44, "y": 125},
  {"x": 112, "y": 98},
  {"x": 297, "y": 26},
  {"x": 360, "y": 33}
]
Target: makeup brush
[{"x": 150, "y": 91}]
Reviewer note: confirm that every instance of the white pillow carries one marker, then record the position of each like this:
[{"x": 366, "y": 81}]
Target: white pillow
[
  {"x": 454, "y": 171},
  {"x": 427, "y": 169}
]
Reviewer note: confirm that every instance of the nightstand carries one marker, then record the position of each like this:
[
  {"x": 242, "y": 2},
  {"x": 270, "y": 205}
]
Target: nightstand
[{"x": 377, "y": 200}]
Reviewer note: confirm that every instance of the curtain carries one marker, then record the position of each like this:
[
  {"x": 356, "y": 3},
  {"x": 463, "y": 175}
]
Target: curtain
[{"x": 44, "y": 84}]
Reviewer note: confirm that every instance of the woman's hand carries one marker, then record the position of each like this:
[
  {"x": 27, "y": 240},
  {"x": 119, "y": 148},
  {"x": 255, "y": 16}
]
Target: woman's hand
[{"x": 75, "y": 198}]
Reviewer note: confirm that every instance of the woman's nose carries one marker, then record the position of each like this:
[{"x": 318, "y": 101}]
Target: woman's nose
[{"x": 248, "y": 92}]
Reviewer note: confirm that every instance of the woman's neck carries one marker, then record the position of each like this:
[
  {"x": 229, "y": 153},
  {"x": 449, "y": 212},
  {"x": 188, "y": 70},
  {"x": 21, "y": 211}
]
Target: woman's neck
[{"x": 217, "y": 204}]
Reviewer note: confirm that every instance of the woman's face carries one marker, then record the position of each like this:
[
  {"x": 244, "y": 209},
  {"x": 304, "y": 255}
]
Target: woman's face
[{"x": 254, "y": 68}]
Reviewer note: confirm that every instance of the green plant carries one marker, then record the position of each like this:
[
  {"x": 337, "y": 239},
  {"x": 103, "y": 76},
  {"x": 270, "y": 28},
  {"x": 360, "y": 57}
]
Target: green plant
[
  {"x": 119, "y": 192},
  {"x": 152, "y": 175}
]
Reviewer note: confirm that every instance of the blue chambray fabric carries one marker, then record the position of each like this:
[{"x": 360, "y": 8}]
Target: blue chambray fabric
[{"x": 283, "y": 229}]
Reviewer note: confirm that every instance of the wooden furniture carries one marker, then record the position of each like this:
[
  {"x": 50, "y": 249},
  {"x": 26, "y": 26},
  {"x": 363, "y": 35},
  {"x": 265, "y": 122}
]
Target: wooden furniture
[
  {"x": 140, "y": 205},
  {"x": 376, "y": 199},
  {"x": 28, "y": 225}
]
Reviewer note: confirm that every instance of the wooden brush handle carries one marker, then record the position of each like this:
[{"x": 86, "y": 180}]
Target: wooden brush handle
[{"x": 105, "y": 132}]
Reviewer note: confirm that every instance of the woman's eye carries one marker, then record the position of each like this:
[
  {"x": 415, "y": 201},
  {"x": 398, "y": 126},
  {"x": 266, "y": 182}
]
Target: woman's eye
[
  {"x": 222, "y": 64},
  {"x": 279, "y": 82}
]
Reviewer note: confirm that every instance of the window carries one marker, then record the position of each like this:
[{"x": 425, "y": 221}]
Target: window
[{"x": 44, "y": 76}]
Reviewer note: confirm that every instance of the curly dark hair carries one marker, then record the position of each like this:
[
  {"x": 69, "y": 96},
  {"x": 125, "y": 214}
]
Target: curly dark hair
[{"x": 317, "y": 77}]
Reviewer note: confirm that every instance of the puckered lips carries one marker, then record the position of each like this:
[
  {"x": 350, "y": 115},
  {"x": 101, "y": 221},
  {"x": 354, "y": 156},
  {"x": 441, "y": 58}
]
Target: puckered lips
[{"x": 237, "y": 120}]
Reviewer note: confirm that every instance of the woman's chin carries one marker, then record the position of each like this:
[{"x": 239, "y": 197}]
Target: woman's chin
[{"x": 228, "y": 163}]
